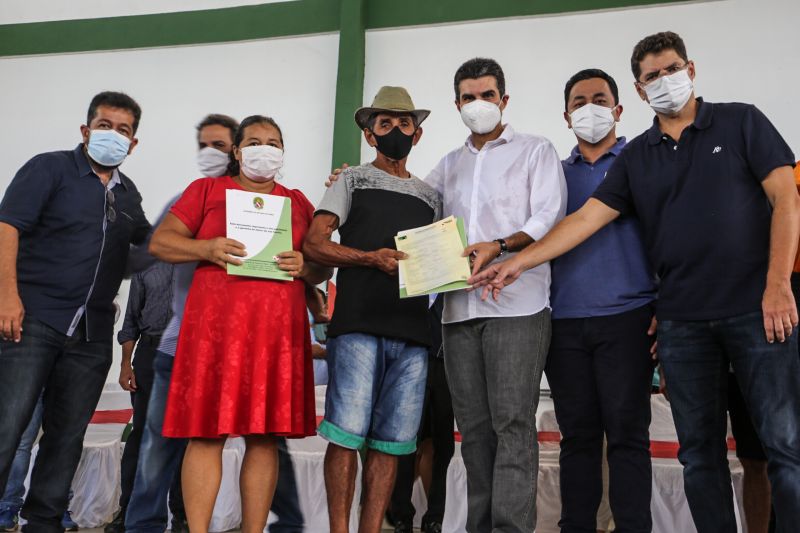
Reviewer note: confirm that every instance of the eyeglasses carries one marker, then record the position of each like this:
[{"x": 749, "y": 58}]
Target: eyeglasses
[
  {"x": 653, "y": 76},
  {"x": 111, "y": 213}
]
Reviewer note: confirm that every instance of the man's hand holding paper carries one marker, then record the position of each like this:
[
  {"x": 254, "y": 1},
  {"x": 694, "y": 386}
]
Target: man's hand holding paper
[{"x": 435, "y": 260}]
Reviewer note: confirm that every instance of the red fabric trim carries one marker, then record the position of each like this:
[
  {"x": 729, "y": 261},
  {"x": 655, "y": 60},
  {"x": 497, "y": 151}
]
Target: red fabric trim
[
  {"x": 659, "y": 449},
  {"x": 118, "y": 416}
]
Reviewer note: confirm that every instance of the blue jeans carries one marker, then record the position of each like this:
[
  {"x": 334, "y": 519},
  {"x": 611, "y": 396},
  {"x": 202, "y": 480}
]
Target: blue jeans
[
  {"x": 143, "y": 368},
  {"x": 376, "y": 388},
  {"x": 695, "y": 356},
  {"x": 72, "y": 372},
  {"x": 286, "y": 502},
  {"x": 159, "y": 459},
  {"x": 14, "y": 495}
]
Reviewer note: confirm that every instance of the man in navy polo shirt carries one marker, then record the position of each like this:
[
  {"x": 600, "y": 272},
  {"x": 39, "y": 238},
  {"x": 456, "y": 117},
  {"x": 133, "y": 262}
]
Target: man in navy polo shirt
[
  {"x": 599, "y": 366},
  {"x": 67, "y": 221},
  {"x": 712, "y": 186}
]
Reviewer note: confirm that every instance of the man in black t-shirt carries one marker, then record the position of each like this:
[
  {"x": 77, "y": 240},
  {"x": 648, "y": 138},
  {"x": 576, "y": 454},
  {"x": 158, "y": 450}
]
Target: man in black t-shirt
[
  {"x": 712, "y": 186},
  {"x": 377, "y": 346}
]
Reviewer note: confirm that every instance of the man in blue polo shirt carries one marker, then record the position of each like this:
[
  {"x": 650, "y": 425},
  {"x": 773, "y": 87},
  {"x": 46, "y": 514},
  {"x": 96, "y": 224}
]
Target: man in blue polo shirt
[
  {"x": 599, "y": 366},
  {"x": 67, "y": 221},
  {"x": 712, "y": 186}
]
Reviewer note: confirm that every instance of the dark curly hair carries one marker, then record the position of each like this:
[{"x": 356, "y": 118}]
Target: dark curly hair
[
  {"x": 653, "y": 44},
  {"x": 115, "y": 99}
]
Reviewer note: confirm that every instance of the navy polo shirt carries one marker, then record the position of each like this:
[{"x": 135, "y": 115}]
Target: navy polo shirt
[
  {"x": 71, "y": 258},
  {"x": 609, "y": 273},
  {"x": 704, "y": 214}
]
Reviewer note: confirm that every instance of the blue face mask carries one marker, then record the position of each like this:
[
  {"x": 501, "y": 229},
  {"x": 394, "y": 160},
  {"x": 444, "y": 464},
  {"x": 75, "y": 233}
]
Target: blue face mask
[{"x": 107, "y": 147}]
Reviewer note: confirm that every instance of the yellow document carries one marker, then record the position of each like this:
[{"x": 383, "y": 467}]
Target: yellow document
[{"x": 435, "y": 258}]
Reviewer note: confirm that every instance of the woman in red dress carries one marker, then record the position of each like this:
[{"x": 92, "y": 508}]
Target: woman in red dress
[{"x": 243, "y": 362}]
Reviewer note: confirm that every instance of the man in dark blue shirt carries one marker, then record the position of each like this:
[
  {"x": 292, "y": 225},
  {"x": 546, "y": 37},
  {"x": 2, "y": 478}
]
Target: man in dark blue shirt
[
  {"x": 67, "y": 221},
  {"x": 712, "y": 186},
  {"x": 599, "y": 366},
  {"x": 146, "y": 318}
]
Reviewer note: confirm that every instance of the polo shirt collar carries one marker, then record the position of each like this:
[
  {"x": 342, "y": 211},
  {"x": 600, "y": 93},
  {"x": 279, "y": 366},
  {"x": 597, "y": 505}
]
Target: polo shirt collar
[
  {"x": 576, "y": 155},
  {"x": 85, "y": 169},
  {"x": 705, "y": 112},
  {"x": 506, "y": 137},
  {"x": 701, "y": 121}
]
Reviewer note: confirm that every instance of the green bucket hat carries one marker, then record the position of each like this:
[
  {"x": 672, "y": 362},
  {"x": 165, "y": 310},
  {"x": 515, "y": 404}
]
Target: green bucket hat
[{"x": 390, "y": 100}]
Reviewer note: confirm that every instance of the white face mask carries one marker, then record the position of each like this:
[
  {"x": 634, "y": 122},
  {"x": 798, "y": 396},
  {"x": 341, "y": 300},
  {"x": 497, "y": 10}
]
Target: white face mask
[
  {"x": 212, "y": 162},
  {"x": 261, "y": 163},
  {"x": 481, "y": 116},
  {"x": 669, "y": 94},
  {"x": 592, "y": 122}
]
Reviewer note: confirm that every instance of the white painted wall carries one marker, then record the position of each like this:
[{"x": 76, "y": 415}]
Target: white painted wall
[
  {"x": 44, "y": 100},
  {"x": 21, "y": 11},
  {"x": 744, "y": 51}
]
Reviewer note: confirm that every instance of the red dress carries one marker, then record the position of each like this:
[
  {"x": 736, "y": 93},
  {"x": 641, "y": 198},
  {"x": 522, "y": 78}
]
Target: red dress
[{"x": 243, "y": 361}]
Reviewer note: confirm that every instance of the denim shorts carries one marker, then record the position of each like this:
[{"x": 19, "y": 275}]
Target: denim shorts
[{"x": 376, "y": 388}]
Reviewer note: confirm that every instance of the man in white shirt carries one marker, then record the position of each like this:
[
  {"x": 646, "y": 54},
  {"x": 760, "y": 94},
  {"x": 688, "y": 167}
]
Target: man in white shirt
[{"x": 510, "y": 190}]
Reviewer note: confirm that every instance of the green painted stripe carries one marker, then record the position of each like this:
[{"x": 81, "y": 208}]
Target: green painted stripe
[
  {"x": 349, "y": 83},
  {"x": 282, "y": 19},
  {"x": 300, "y": 17},
  {"x": 394, "y": 13}
]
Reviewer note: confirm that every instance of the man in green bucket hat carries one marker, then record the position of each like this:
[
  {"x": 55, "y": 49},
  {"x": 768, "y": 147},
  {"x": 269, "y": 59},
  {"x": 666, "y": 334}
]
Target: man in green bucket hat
[{"x": 377, "y": 347}]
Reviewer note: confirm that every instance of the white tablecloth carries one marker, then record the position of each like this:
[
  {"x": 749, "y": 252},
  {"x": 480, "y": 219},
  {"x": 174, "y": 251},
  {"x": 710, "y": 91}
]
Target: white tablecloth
[
  {"x": 96, "y": 482},
  {"x": 96, "y": 486}
]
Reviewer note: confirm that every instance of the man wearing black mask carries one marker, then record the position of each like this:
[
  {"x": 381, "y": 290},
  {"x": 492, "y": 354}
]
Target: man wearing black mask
[{"x": 377, "y": 355}]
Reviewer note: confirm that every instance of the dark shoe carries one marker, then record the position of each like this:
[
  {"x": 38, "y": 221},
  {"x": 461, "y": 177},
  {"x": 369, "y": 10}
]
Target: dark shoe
[
  {"x": 432, "y": 527},
  {"x": 68, "y": 523},
  {"x": 9, "y": 519},
  {"x": 179, "y": 524},
  {"x": 118, "y": 524},
  {"x": 402, "y": 527}
]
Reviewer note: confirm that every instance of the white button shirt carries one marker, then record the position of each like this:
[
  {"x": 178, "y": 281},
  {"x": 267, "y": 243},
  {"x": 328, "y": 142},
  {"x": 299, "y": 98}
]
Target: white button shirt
[{"x": 514, "y": 183}]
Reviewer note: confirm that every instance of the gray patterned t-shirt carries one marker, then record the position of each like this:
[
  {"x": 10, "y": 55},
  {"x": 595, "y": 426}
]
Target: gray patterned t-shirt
[{"x": 373, "y": 207}]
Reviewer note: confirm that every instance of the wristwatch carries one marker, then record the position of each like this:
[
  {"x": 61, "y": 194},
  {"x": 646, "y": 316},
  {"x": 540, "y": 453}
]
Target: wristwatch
[{"x": 503, "y": 246}]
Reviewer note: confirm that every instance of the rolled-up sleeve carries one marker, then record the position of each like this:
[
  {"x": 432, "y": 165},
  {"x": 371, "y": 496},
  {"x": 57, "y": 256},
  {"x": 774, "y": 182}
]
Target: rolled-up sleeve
[
  {"x": 131, "y": 331},
  {"x": 548, "y": 200},
  {"x": 28, "y": 194}
]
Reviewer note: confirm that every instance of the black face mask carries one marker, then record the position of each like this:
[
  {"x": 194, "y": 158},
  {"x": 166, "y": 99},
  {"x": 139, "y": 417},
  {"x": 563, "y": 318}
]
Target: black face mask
[{"x": 395, "y": 144}]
